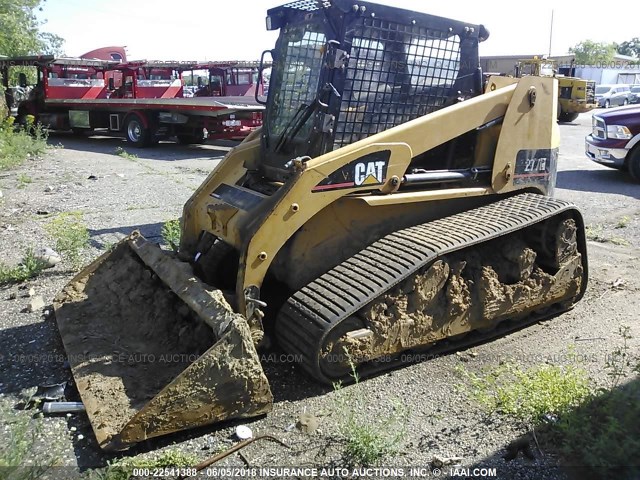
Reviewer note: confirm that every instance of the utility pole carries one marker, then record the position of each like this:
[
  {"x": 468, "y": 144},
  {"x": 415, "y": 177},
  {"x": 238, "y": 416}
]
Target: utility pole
[{"x": 551, "y": 33}]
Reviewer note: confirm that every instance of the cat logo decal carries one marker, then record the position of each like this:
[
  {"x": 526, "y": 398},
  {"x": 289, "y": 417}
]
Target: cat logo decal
[
  {"x": 369, "y": 173},
  {"x": 366, "y": 171}
]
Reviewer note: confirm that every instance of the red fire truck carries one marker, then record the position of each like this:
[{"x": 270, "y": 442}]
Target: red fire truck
[{"x": 142, "y": 99}]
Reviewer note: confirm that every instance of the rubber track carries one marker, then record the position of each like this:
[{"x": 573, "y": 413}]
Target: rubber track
[{"x": 312, "y": 312}]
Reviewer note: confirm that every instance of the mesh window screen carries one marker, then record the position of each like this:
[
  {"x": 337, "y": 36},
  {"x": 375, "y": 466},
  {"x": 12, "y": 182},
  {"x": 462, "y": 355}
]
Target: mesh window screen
[
  {"x": 396, "y": 73},
  {"x": 307, "y": 5}
]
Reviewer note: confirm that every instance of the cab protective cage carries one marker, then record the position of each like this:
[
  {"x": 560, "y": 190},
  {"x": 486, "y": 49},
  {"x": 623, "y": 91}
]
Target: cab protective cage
[{"x": 353, "y": 70}]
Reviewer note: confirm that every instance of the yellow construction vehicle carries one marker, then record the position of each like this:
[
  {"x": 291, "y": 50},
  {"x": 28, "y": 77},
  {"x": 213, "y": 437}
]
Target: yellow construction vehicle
[
  {"x": 387, "y": 204},
  {"x": 575, "y": 95}
]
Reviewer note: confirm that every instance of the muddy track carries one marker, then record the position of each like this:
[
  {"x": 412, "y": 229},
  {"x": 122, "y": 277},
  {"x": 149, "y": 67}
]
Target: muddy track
[{"x": 317, "y": 316}]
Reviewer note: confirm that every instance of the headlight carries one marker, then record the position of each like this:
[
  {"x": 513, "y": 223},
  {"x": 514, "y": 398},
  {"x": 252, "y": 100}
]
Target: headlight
[{"x": 618, "y": 131}]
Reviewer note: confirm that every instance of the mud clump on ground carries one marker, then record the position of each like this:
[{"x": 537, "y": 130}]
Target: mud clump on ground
[{"x": 127, "y": 337}]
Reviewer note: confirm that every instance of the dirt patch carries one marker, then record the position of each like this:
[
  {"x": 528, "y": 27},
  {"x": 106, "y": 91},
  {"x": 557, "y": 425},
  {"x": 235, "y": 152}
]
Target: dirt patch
[{"x": 127, "y": 336}]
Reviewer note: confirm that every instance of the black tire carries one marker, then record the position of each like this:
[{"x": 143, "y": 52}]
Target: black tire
[
  {"x": 607, "y": 104},
  {"x": 137, "y": 134},
  {"x": 191, "y": 138},
  {"x": 568, "y": 116},
  {"x": 81, "y": 132},
  {"x": 626, "y": 102},
  {"x": 633, "y": 164},
  {"x": 21, "y": 117}
]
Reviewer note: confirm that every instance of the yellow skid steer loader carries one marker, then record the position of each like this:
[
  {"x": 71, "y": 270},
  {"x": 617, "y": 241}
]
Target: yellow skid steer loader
[{"x": 390, "y": 201}]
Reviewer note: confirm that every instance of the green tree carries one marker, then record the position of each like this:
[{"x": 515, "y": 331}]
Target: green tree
[
  {"x": 631, "y": 48},
  {"x": 589, "y": 52},
  {"x": 20, "y": 33},
  {"x": 51, "y": 44}
]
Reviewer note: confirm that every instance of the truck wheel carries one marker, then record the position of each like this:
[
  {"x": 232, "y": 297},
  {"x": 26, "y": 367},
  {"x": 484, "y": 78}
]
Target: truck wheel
[
  {"x": 21, "y": 120},
  {"x": 190, "y": 138},
  {"x": 634, "y": 164},
  {"x": 137, "y": 134},
  {"x": 568, "y": 116},
  {"x": 81, "y": 132}
]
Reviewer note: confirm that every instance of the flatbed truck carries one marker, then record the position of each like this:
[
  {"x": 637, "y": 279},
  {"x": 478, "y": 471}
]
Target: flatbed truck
[{"x": 141, "y": 99}]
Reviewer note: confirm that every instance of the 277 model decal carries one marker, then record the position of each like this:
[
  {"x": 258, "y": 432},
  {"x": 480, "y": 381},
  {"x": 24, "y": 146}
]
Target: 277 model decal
[
  {"x": 535, "y": 166},
  {"x": 365, "y": 171}
]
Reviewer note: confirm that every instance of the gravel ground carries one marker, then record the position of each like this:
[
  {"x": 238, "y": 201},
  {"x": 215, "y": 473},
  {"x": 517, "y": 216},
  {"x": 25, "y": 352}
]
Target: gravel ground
[{"x": 117, "y": 195}]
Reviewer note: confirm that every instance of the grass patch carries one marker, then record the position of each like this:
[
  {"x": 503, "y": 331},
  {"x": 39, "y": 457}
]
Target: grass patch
[
  {"x": 16, "y": 145},
  {"x": 171, "y": 233},
  {"x": 29, "y": 267},
  {"x": 24, "y": 180},
  {"x": 530, "y": 394},
  {"x": 121, "y": 152},
  {"x": 70, "y": 234},
  {"x": 123, "y": 469},
  {"x": 368, "y": 439}
]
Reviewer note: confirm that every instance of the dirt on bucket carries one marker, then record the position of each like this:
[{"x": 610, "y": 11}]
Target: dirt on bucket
[{"x": 127, "y": 336}]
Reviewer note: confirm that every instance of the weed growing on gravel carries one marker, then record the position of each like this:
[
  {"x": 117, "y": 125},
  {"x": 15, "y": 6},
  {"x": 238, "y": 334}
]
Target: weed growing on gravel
[
  {"x": 619, "y": 241},
  {"x": 24, "y": 180},
  {"x": 108, "y": 246},
  {"x": 171, "y": 232},
  {"x": 121, "y": 152},
  {"x": 602, "y": 433},
  {"x": 70, "y": 235},
  {"x": 29, "y": 267},
  {"x": 368, "y": 439},
  {"x": 620, "y": 363},
  {"x": 623, "y": 222},
  {"x": 17, "y": 452},
  {"x": 13, "y": 453},
  {"x": 530, "y": 394},
  {"x": 123, "y": 469},
  {"x": 597, "y": 430},
  {"x": 595, "y": 234},
  {"x": 18, "y": 144}
]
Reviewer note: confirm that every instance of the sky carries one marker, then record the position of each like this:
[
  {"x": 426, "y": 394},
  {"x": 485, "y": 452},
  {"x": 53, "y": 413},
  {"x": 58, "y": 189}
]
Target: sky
[{"x": 235, "y": 30}]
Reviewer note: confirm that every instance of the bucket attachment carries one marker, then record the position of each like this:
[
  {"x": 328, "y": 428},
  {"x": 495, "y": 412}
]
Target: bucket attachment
[{"x": 154, "y": 350}]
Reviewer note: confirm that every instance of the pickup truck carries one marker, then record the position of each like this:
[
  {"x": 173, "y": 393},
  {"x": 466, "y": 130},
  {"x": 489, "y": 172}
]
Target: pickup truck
[{"x": 615, "y": 139}]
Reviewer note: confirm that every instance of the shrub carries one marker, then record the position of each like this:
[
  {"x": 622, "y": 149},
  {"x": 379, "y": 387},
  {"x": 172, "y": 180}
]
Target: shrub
[{"x": 17, "y": 144}]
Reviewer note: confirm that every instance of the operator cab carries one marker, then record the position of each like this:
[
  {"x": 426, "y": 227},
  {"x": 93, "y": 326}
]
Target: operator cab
[{"x": 343, "y": 72}]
